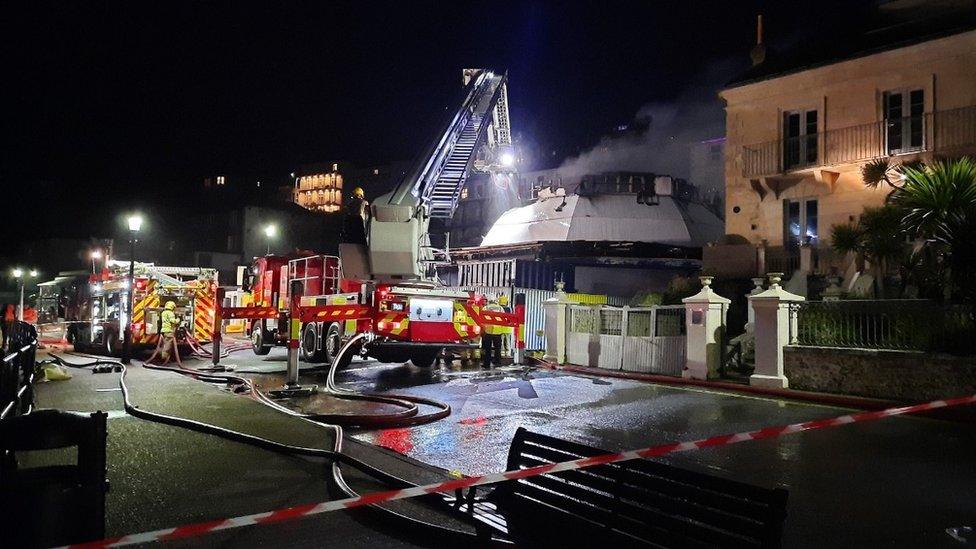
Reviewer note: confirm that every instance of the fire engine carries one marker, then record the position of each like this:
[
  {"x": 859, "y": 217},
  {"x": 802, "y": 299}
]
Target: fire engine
[
  {"x": 389, "y": 286},
  {"x": 193, "y": 290}
]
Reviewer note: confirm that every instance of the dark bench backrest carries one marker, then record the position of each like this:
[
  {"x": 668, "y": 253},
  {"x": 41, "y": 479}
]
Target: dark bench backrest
[
  {"x": 78, "y": 509},
  {"x": 637, "y": 502}
]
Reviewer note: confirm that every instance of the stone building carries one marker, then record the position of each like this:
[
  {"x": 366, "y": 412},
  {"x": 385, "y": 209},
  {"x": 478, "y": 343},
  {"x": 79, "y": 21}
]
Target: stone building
[{"x": 800, "y": 126}]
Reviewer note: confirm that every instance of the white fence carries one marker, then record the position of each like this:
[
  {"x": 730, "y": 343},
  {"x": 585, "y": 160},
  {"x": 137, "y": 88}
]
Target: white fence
[
  {"x": 647, "y": 340},
  {"x": 535, "y": 314}
]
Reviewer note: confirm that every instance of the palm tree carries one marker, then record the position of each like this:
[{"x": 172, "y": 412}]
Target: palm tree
[
  {"x": 939, "y": 205},
  {"x": 877, "y": 236}
]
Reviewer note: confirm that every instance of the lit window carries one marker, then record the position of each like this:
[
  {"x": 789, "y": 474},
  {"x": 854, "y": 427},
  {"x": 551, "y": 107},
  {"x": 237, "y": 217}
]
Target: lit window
[
  {"x": 376, "y": 171},
  {"x": 335, "y": 167}
]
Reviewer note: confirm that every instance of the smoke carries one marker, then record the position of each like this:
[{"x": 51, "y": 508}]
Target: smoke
[{"x": 660, "y": 137}]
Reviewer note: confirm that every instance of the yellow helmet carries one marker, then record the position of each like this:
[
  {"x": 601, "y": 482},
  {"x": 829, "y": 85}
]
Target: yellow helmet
[
  {"x": 170, "y": 305},
  {"x": 503, "y": 300},
  {"x": 358, "y": 192}
]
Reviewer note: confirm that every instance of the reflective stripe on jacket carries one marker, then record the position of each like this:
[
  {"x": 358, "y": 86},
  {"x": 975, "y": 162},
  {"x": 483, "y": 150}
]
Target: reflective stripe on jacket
[
  {"x": 169, "y": 322},
  {"x": 493, "y": 329}
]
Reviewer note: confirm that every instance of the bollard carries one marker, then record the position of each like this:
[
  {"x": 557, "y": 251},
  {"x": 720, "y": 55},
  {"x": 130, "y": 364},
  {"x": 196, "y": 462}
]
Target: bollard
[
  {"x": 218, "y": 324},
  {"x": 292, "y": 388},
  {"x": 294, "y": 332},
  {"x": 518, "y": 357}
]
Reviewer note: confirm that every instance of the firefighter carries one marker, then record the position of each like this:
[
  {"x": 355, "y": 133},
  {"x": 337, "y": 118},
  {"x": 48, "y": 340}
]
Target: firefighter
[
  {"x": 491, "y": 337},
  {"x": 355, "y": 217},
  {"x": 167, "y": 332},
  {"x": 506, "y": 331}
]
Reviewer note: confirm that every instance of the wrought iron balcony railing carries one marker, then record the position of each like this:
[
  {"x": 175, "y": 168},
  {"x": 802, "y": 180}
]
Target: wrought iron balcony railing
[{"x": 941, "y": 131}]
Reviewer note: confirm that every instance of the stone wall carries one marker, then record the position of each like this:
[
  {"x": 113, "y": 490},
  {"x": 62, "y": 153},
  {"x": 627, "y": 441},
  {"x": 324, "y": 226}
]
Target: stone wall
[{"x": 893, "y": 375}]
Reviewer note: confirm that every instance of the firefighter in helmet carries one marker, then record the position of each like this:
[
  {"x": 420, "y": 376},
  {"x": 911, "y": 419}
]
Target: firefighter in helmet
[
  {"x": 491, "y": 337},
  {"x": 506, "y": 331},
  {"x": 167, "y": 332},
  {"x": 355, "y": 218}
]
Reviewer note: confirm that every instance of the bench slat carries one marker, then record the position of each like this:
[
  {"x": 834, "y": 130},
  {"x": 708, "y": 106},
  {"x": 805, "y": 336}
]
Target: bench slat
[
  {"x": 605, "y": 510},
  {"x": 635, "y": 501},
  {"x": 643, "y": 500},
  {"x": 632, "y": 473}
]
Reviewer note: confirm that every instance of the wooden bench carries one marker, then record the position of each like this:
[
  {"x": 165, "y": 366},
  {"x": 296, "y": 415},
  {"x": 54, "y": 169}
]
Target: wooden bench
[
  {"x": 631, "y": 503},
  {"x": 53, "y": 504}
]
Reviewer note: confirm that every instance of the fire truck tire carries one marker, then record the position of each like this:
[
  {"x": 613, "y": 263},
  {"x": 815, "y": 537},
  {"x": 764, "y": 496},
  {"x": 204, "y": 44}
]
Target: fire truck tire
[
  {"x": 257, "y": 340},
  {"x": 424, "y": 358},
  {"x": 331, "y": 342},
  {"x": 307, "y": 344}
]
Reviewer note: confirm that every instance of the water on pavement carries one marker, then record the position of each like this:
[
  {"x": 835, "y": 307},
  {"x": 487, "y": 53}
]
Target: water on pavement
[{"x": 850, "y": 485}]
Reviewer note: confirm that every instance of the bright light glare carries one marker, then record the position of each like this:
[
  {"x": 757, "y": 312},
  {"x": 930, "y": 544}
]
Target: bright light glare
[
  {"x": 507, "y": 159},
  {"x": 33, "y": 272},
  {"x": 18, "y": 272},
  {"x": 270, "y": 231},
  {"x": 96, "y": 254},
  {"x": 135, "y": 222}
]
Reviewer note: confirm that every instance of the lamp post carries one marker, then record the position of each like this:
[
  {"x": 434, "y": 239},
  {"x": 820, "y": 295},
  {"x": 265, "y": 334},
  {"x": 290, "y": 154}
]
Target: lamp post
[
  {"x": 135, "y": 223},
  {"x": 21, "y": 280},
  {"x": 95, "y": 254},
  {"x": 270, "y": 231}
]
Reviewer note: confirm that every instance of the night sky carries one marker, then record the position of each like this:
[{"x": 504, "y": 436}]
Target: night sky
[{"x": 114, "y": 94}]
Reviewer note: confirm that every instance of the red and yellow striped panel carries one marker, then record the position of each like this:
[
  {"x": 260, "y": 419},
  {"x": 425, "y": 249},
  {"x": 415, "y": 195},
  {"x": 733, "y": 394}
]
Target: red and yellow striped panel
[
  {"x": 150, "y": 301},
  {"x": 203, "y": 314}
]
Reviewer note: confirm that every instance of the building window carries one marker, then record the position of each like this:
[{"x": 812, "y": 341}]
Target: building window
[
  {"x": 799, "y": 139},
  {"x": 800, "y": 222},
  {"x": 904, "y": 121}
]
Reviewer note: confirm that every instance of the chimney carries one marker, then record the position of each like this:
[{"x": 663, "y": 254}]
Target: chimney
[{"x": 758, "y": 53}]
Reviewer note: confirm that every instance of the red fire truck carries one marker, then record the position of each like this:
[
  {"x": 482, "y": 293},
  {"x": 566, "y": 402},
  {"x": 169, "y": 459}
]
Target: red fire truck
[{"x": 410, "y": 321}]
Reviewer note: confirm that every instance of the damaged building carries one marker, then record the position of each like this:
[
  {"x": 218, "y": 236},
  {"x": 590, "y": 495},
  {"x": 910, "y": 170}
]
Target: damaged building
[{"x": 616, "y": 233}]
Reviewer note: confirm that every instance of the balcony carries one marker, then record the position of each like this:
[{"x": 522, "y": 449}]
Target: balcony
[{"x": 936, "y": 132}]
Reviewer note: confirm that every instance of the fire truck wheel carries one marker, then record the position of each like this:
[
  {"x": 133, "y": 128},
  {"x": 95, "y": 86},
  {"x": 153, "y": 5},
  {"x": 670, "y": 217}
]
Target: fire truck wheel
[
  {"x": 307, "y": 344},
  {"x": 257, "y": 340},
  {"x": 424, "y": 358},
  {"x": 332, "y": 342}
]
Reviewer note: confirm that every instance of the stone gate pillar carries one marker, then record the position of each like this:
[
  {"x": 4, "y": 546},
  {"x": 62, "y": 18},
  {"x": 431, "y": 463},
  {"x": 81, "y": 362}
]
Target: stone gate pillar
[
  {"x": 774, "y": 325},
  {"x": 705, "y": 314},
  {"x": 556, "y": 327}
]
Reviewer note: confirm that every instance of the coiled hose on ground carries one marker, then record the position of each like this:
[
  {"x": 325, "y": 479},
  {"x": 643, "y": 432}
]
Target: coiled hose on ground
[{"x": 335, "y": 456}]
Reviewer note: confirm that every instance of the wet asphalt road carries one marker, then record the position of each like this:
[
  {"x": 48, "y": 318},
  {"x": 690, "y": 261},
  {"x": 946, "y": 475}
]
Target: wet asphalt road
[{"x": 897, "y": 482}]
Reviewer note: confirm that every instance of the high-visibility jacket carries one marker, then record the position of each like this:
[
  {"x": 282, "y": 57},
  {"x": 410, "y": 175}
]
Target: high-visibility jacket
[
  {"x": 493, "y": 329},
  {"x": 169, "y": 322}
]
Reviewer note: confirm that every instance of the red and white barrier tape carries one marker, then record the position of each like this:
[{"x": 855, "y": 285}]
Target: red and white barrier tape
[{"x": 299, "y": 511}]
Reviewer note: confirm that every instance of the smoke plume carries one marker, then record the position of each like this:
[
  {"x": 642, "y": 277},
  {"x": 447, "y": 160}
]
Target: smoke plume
[{"x": 660, "y": 137}]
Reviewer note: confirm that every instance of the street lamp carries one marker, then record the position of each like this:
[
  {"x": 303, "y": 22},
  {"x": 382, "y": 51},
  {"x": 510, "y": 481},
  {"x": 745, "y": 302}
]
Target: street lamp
[
  {"x": 270, "y": 231},
  {"x": 134, "y": 222},
  {"x": 18, "y": 274},
  {"x": 95, "y": 254}
]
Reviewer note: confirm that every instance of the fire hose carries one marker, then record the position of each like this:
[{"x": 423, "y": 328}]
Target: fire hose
[{"x": 335, "y": 456}]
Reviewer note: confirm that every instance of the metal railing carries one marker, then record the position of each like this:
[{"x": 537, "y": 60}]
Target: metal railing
[
  {"x": 780, "y": 259},
  {"x": 17, "y": 370},
  {"x": 892, "y": 324},
  {"x": 940, "y": 131}
]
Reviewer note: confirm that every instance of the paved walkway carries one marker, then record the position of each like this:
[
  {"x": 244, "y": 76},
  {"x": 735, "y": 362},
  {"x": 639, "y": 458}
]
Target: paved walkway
[
  {"x": 895, "y": 482},
  {"x": 164, "y": 476}
]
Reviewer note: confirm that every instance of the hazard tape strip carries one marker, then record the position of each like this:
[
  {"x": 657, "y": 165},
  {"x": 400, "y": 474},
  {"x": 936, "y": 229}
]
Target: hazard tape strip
[{"x": 299, "y": 511}]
